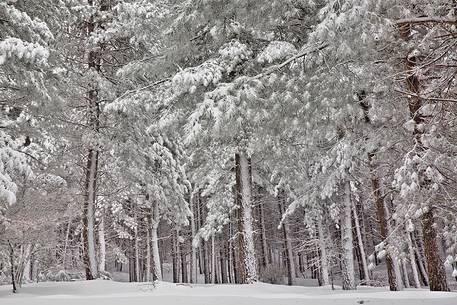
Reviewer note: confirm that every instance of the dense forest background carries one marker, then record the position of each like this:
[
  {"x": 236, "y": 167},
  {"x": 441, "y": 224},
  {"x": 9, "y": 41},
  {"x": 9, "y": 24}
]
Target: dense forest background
[{"x": 229, "y": 141}]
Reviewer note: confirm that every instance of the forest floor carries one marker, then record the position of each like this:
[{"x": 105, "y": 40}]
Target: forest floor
[{"x": 111, "y": 293}]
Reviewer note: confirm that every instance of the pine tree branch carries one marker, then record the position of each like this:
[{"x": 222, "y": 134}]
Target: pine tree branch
[
  {"x": 420, "y": 20},
  {"x": 437, "y": 99},
  {"x": 144, "y": 88},
  {"x": 288, "y": 61}
]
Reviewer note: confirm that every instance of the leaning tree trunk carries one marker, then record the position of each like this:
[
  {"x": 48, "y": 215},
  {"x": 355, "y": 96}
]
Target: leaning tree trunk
[
  {"x": 347, "y": 257},
  {"x": 249, "y": 260}
]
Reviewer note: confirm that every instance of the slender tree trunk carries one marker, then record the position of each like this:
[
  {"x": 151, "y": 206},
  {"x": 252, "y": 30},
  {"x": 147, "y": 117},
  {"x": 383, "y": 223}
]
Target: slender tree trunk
[
  {"x": 174, "y": 257},
  {"x": 412, "y": 261},
  {"x": 90, "y": 186},
  {"x": 223, "y": 262},
  {"x": 137, "y": 253},
  {"x": 405, "y": 273},
  {"x": 213, "y": 260},
  {"x": 265, "y": 258},
  {"x": 436, "y": 272},
  {"x": 148, "y": 249},
  {"x": 323, "y": 251},
  {"x": 206, "y": 265},
  {"x": 88, "y": 216},
  {"x": 193, "y": 261},
  {"x": 361, "y": 246},
  {"x": 65, "y": 249},
  {"x": 347, "y": 259},
  {"x": 382, "y": 220},
  {"x": 249, "y": 260},
  {"x": 155, "y": 242},
  {"x": 102, "y": 245},
  {"x": 240, "y": 266},
  {"x": 12, "y": 269},
  {"x": 395, "y": 261},
  {"x": 287, "y": 242},
  {"x": 184, "y": 277},
  {"x": 420, "y": 264}
]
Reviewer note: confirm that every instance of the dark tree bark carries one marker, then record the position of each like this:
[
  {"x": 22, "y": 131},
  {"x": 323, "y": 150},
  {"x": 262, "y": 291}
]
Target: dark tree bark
[
  {"x": 12, "y": 269},
  {"x": 288, "y": 253},
  {"x": 436, "y": 272},
  {"x": 240, "y": 258}
]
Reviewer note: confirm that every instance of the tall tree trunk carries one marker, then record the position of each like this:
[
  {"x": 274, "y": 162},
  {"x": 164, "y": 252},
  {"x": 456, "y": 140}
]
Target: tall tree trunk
[
  {"x": 436, "y": 272},
  {"x": 392, "y": 275},
  {"x": 91, "y": 170},
  {"x": 287, "y": 242},
  {"x": 412, "y": 261},
  {"x": 265, "y": 258},
  {"x": 137, "y": 252},
  {"x": 382, "y": 220},
  {"x": 148, "y": 249},
  {"x": 206, "y": 265},
  {"x": 248, "y": 262},
  {"x": 223, "y": 261},
  {"x": 213, "y": 260},
  {"x": 363, "y": 257},
  {"x": 347, "y": 259},
  {"x": 102, "y": 245},
  {"x": 193, "y": 261},
  {"x": 155, "y": 242},
  {"x": 420, "y": 264},
  {"x": 184, "y": 275},
  {"x": 174, "y": 254},
  {"x": 323, "y": 253},
  {"x": 239, "y": 254},
  {"x": 12, "y": 269},
  {"x": 65, "y": 248},
  {"x": 90, "y": 261}
]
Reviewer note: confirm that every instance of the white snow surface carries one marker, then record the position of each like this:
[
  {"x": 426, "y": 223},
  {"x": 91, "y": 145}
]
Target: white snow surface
[{"x": 102, "y": 292}]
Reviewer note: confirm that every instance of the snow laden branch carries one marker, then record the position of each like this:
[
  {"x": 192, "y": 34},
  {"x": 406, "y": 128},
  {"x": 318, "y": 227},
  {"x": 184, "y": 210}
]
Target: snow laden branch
[
  {"x": 423, "y": 20},
  {"x": 304, "y": 53}
]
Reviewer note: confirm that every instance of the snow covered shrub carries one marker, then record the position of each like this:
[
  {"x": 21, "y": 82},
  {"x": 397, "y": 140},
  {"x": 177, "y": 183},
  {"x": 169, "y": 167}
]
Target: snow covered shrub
[
  {"x": 62, "y": 276},
  {"x": 272, "y": 274},
  {"x": 105, "y": 275}
]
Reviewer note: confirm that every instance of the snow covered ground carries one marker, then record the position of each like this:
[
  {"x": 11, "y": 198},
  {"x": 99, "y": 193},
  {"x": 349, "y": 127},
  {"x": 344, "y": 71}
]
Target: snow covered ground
[{"x": 111, "y": 293}]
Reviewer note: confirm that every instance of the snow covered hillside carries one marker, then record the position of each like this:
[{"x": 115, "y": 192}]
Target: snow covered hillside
[{"x": 110, "y": 293}]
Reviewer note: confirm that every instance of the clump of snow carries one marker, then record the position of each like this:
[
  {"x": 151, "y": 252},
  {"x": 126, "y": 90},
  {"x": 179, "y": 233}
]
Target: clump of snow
[{"x": 276, "y": 50}]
